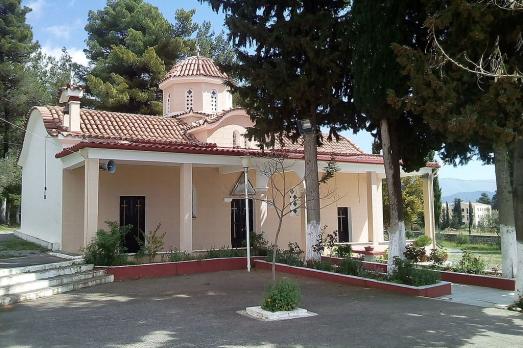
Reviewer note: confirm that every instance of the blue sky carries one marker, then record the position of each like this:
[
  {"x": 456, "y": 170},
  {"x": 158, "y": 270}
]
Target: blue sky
[{"x": 60, "y": 23}]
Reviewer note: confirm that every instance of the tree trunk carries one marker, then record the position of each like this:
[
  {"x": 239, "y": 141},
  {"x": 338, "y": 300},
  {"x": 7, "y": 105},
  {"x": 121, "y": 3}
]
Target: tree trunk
[
  {"x": 312, "y": 195},
  {"x": 518, "y": 212},
  {"x": 3, "y": 210},
  {"x": 391, "y": 161},
  {"x": 275, "y": 249},
  {"x": 506, "y": 211}
]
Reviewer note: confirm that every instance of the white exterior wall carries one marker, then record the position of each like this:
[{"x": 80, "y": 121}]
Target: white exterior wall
[{"x": 41, "y": 218}]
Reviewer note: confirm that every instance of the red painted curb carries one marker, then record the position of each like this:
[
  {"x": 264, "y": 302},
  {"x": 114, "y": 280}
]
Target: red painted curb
[
  {"x": 453, "y": 277},
  {"x": 171, "y": 269},
  {"x": 435, "y": 290}
]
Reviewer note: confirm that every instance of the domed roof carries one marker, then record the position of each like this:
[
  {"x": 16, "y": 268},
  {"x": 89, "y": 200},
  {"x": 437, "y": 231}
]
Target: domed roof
[{"x": 195, "y": 66}]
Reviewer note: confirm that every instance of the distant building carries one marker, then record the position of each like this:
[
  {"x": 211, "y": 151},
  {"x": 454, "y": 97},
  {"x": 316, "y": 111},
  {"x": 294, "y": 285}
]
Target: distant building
[{"x": 480, "y": 212}]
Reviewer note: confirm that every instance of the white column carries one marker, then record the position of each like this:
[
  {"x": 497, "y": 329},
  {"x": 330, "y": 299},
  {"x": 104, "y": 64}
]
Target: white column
[
  {"x": 374, "y": 208},
  {"x": 91, "y": 183},
  {"x": 186, "y": 207},
  {"x": 261, "y": 201},
  {"x": 428, "y": 207}
]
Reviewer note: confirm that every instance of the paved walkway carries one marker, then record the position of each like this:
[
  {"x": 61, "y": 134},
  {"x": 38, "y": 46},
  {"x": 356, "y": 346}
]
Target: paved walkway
[
  {"x": 201, "y": 311},
  {"x": 479, "y": 296}
]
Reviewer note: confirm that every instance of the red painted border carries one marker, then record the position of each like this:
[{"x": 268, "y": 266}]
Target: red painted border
[
  {"x": 436, "y": 290},
  {"x": 171, "y": 269},
  {"x": 453, "y": 277}
]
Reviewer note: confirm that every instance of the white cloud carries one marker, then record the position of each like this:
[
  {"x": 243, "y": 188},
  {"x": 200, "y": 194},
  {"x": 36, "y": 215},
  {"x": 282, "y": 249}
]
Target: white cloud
[
  {"x": 59, "y": 31},
  {"x": 77, "y": 54},
  {"x": 37, "y": 8}
]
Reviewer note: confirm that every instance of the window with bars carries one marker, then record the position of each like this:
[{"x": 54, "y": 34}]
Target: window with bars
[
  {"x": 188, "y": 100},
  {"x": 214, "y": 101}
]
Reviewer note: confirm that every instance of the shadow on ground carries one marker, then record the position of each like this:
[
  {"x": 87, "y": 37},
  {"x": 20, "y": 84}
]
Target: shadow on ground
[{"x": 201, "y": 311}]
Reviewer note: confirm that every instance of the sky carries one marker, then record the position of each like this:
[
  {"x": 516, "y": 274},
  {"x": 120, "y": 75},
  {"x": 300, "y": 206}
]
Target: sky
[{"x": 60, "y": 23}]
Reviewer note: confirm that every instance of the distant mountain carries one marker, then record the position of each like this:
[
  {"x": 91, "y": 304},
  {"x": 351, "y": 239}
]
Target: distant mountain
[
  {"x": 466, "y": 196},
  {"x": 450, "y": 186}
]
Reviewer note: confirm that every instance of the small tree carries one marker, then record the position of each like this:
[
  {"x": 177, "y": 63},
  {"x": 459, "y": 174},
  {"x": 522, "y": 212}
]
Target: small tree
[
  {"x": 457, "y": 216},
  {"x": 484, "y": 198},
  {"x": 276, "y": 169},
  {"x": 471, "y": 217}
]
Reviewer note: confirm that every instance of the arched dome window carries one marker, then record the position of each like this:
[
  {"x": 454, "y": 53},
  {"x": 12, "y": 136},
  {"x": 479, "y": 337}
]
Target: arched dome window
[
  {"x": 188, "y": 100},
  {"x": 236, "y": 138},
  {"x": 214, "y": 101}
]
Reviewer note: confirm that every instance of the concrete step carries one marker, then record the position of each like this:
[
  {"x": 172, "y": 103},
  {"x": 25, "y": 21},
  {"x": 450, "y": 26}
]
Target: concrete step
[
  {"x": 49, "y": 282},
  {"x": 32, "y": 295},
  {"x": 5, "y": 272},
  {"x": 44, "y": 274}
]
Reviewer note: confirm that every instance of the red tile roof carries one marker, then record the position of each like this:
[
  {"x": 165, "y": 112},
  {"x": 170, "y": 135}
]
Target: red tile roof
[{"x": 195, "y": 66}]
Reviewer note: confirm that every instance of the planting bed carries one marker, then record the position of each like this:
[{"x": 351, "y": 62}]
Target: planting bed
[{"x": 435, "y": 290}]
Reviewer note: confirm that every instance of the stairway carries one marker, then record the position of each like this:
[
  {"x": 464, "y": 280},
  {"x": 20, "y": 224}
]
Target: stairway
[{"x": 32, "y": 282}]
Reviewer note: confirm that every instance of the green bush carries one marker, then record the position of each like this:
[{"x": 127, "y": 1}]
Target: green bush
[
  {"x": 415, "y": 254},
  {"x": 177, "y": 255},
  {"x": 284, "y": 295},
  {"x": 225, "y": 252},
  {"x": 287, "y": 257},
  {"x": 153, "y": 243},
  {"x": 438, "y": 256},
  {"x": 351, "y": 266},
  {"x": 343, "y": 250},
  {"x": 471, "y": 263},
  {"x": 106, "y": 249},
  {"x": 422, "y": 241},
  {"x": 406, "y": 273},
  {"x": 259, "y": 245},
  {"x": 321, "y": 265},
  {"x": 462, "y": 239}
]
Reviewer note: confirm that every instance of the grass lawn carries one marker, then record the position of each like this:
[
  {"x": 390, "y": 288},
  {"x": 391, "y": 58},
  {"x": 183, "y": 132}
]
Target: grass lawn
[
  {"x": 491, "y": 253},
  {"x": 469, "y": 246},
  {"x": 5, "y": 228},
  {"x": 12, "y": 246}
]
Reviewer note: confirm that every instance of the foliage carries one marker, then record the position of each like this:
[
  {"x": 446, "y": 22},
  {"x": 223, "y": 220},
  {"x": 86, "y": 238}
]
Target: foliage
[
  {"x": 325, "y": 241},
  {"x": 351, "y": 266},
  {"x": 106, "y": 249},
  {"x": 320, "y": 265},
  {"x": 457, "y": 215},
  {"x": 422, "y": 241},
  {"x": 293, "y": 256},
  {"x": 153, "y": 243},
  {"x": 412, "y": 196},
  {"x": 484, "y": 198},
  {"x": 343, "y": 250},
  {"x": 284, "y": 295},
  {"x": 225, "y": 252},
  {"x": 517, "y": 306},
  {"x": 259, "y": 245},
  {"x": 470, "y": 263},
  {"x": 438, "y": 256},
  {"x": 415, "y": 254},
  {"x": 406, "y": 273},
  {"x": 437, "y": 200},
  {"x": 462, "y": 239},
  {"x": 176, "y": 255}
]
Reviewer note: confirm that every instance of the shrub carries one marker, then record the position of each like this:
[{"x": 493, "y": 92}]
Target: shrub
[
  {"x": 153, "y": 243},
  {"x": 284, "y": 295},
  {"x": 415, "y": 254},
  {"x": 438, "y": 256},
  {"x": 106, "y": 249},
  {"x": 177, "y": 255},
  {"x": 462, "y": 239},
  {"x": 286, "y": 257},
  {"x": 259, "y": 245},
  {"x": 225, "y": 252},
  {"x": 321, "y": 265},
  {"x": 470, "y": 263},
  {"x": 351, "y": 266},
  {"x": 343, "y": 250},
  {"x": 406, "y": 273},
  {"x": 422, "y": 241}
]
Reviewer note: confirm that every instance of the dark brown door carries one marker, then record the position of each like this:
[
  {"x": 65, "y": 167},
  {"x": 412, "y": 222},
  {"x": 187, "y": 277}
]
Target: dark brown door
[
  {"x": 238, "y": 226},
  {"x": 344, "y": 231},
  {"x": 132, "y": 213}
]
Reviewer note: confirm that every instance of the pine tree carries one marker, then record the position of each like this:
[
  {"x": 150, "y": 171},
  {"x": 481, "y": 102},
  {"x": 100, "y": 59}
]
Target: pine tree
[
  {"x": 483, "y": 113},
  {"x": 376, "y": 74},
  {"x": 457, "y": 214},
  {"x": 470, "y": 217},
  {"x": 292, "y": 59},
  {"x": 437, "y": 201},
  {"x": 130, "y": 45}
]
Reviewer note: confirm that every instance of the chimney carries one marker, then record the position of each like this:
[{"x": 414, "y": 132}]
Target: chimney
[{"x": 71, "y": 95}]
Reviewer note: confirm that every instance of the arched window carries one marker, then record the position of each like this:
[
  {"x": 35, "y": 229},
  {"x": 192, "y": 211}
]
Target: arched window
[
  {"x": 214, "y": 101},
  {"x": 236, "y": 138},
  {"x": 188, "y": 100},
  {"x": 168, "y": 106}
]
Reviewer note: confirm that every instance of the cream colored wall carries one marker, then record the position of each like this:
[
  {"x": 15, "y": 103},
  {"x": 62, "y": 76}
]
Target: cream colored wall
[
  {"x": 73, "y": 209},
  {"x": 159, "y": 185},
  {"x": 223, "y": 136},
  {"x": 201, "y": 96}
]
